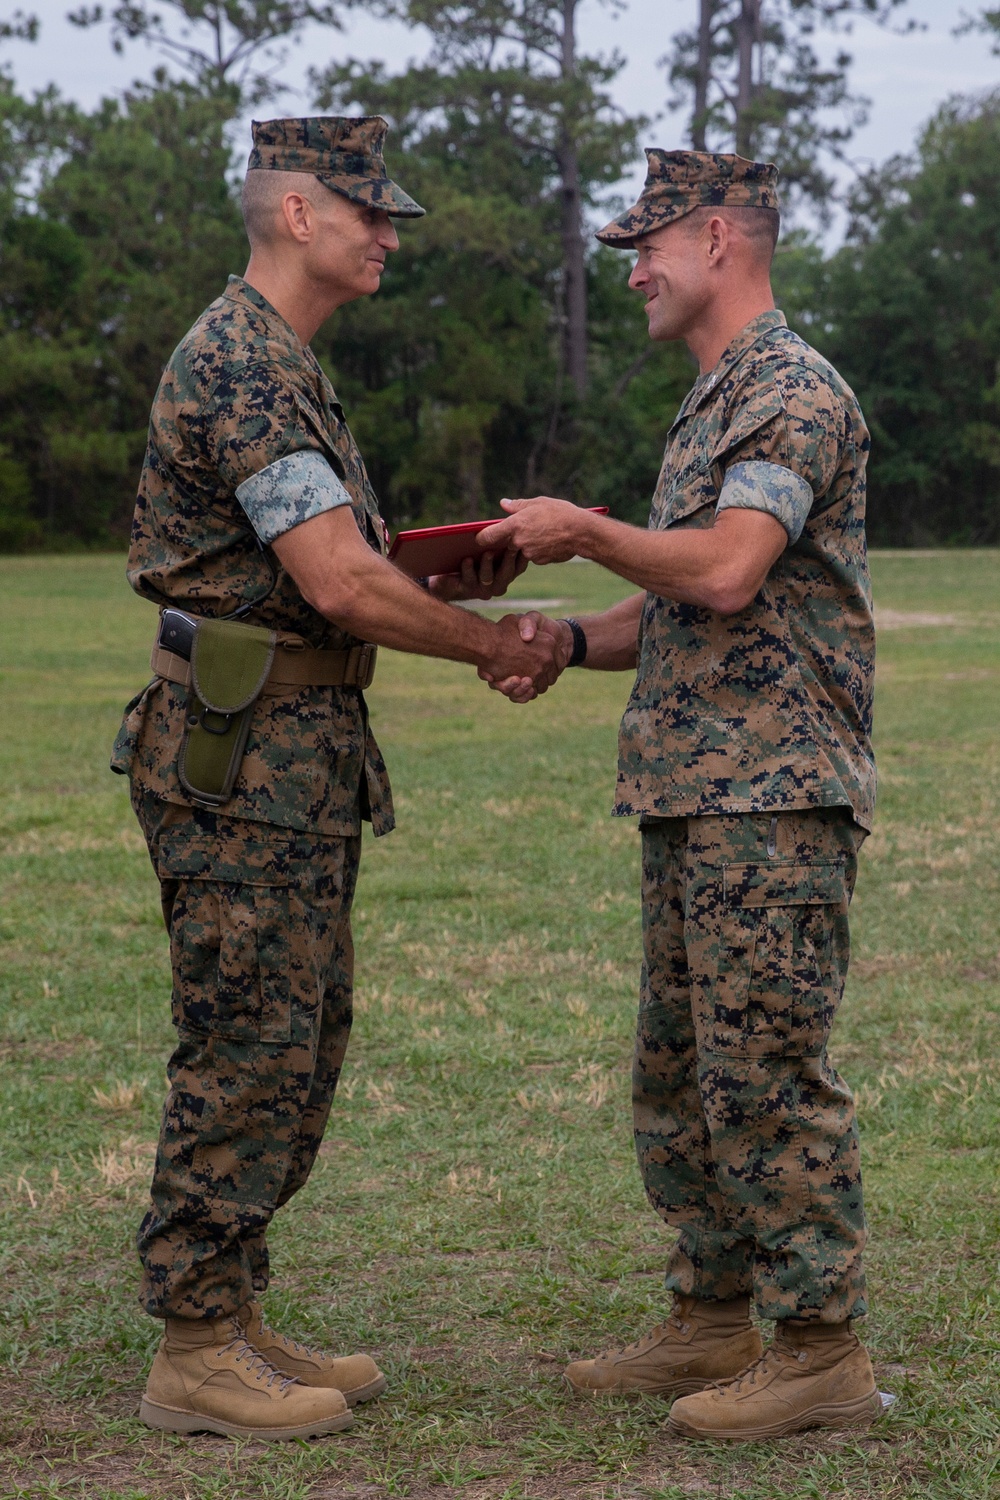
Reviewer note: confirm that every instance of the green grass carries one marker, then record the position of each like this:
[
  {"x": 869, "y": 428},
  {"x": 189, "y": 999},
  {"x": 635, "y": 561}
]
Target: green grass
[{"x": 476, "y": 1217}]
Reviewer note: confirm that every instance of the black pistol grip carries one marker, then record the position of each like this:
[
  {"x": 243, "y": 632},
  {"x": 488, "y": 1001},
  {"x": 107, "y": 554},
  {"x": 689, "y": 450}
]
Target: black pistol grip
[{"x": 177, "y": 632}]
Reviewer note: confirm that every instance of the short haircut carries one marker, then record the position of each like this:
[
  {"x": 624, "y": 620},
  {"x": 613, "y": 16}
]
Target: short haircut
[
  {"x": 261, "y": 198},
  {"x": 758, "y": 226}
]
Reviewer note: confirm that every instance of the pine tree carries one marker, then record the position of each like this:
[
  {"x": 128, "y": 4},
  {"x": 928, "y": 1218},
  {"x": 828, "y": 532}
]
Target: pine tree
[
  {"x": 750, "y": 74},
  {"x": 559, "y": 111},
  {"x": 225, "y": 47}
]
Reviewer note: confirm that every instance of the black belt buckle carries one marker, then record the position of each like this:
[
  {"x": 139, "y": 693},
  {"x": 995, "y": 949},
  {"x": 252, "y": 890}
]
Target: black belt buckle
[{"x": 177, "y": 633}]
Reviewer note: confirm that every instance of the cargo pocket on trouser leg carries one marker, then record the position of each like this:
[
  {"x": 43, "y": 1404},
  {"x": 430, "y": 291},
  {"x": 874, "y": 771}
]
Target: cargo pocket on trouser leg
[
  {"x": 782, "y": 956},
  {"x": 782, "y": 1124},
  {"x": 229, "y": 953},
  {"x": 333, "y": 953}
]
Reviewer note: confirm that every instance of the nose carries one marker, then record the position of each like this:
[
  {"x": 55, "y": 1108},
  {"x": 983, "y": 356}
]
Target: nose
[
  {"x": 640, "y": 276},
  {"x": 387, "y": 236}
]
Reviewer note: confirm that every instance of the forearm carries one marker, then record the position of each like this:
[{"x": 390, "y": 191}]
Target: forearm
[
  {"x": 703, "y": 566},
  {"x": 377, "y": 602},
  {"x": 357, "y": 589},
  {"x": 720, "y": 567},
  {"x": 612, "y": 637}
]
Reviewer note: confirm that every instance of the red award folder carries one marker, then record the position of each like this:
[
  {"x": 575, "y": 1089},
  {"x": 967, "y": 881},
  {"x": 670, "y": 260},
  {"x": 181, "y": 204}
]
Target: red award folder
[{"x": 442, "y": 549}]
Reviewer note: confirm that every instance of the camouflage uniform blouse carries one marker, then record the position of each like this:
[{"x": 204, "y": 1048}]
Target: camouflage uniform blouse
[
  {"x": 240, "y": 393},
  {"x": 770, "y": 708}
]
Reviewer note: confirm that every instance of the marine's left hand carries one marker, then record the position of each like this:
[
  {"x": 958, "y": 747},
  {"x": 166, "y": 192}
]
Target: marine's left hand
[
  {"x": 484, "y": 577},
  {"x": 544, "y": 530}
]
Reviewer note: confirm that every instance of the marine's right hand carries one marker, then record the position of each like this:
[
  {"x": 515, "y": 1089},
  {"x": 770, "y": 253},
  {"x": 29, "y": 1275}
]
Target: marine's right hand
[{"x": 534, "y": 664}]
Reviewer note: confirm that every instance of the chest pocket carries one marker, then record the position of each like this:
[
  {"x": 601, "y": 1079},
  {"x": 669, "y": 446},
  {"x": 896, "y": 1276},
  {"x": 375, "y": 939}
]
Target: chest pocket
[{"x": 683, "y": 494}]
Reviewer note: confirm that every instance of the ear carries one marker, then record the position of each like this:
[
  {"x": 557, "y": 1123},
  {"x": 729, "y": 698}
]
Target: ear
[
  {"x": 297, "y": 214},
  {"x": 717, "y": 238}
]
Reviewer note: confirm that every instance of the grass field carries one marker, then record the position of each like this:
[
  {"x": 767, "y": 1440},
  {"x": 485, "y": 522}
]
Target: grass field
[{"x": 476, "y": 1217}]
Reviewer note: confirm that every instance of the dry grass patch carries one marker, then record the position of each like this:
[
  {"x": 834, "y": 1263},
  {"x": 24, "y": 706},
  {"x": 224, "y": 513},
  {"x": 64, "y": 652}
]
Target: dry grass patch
[
  {"x": 121, "y": 1098},
  {"x": 125, "y": 1166}
]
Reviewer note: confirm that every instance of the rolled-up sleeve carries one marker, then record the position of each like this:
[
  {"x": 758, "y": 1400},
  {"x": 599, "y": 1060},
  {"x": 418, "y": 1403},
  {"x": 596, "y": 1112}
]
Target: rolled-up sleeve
[
  {"x": 783, "y": 449},
  {"x": 769, "y": 487},
  {"x": 268, "y": 440},
  {"x": 291, "y": 490}
]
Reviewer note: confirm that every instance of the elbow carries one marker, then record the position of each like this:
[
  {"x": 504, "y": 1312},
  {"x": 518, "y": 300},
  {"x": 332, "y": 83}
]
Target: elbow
[
  {"x": 340, "y": 601},
  {"x": 733, "y": 602},
  {"x": 729, "y": 593}
]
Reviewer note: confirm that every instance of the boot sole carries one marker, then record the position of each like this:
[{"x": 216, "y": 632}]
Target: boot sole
[
  {"x": 859, "y": 1413},
  {"x": 169, "y": 1419},
  {"x": 657, "y": 1393},
  {"x": 365, "y": 1392}
]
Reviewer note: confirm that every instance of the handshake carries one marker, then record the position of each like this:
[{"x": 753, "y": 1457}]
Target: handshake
[
  {"x": 530, "y": 651},
  {"x": 533, "y": 653}
]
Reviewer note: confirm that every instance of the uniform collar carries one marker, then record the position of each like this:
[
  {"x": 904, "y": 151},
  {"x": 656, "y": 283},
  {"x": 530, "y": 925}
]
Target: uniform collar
[
  {"x": 238, "y": 290},
  {"x": 752, "y": 333}
]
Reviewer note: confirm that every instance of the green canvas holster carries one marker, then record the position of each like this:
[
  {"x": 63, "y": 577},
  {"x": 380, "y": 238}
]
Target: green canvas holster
[{"x": 230, "y": 664}]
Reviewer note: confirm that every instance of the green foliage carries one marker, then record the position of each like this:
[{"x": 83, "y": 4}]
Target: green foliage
[
  {"x": 913, "y": 320},
  {"x": 635, "y": 393},
  {"x": 128, "y": 234},
  {"x": 455, "y": 374},
  {"x": 19, "y": 27},
  {"x": 224, "y": 46},
  {"x": 118, "y": 225}
]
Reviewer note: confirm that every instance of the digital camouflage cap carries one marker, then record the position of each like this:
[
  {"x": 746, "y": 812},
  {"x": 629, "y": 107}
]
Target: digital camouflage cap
[
  {"x": 344, "y": 152},
  {"x": 678, "y": 182}
]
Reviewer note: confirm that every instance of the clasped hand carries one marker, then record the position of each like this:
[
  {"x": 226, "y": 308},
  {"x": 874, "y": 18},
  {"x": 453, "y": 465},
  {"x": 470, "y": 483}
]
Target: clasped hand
[
  {"x": 534, "y": 650},
  {"x": 485, "y": 577},
  {"x": 551, "y": 644}
]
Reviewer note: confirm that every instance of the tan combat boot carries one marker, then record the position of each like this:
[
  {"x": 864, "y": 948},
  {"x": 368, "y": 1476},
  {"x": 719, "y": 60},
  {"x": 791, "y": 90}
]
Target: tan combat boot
[
  {"x": 207, "y": 1377},
  {"x": 700, "y": 1342},
  {"x": 356, "y": 1376},
  {"x": 813, "y": 1375}
]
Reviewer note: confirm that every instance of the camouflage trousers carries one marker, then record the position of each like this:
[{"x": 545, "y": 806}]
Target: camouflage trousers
[
  {"x": 745, "y": 1134},
  {"x": 262, "y": 960}
]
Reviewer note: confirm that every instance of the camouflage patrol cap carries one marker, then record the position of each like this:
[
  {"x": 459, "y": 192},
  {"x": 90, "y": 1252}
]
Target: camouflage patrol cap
[
  {"x": 678, "y": 182},
  {"x": 344, "y": 152}
]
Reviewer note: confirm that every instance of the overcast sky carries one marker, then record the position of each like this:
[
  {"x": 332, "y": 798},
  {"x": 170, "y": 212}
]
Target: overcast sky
[{"x": 905, "y": 76}]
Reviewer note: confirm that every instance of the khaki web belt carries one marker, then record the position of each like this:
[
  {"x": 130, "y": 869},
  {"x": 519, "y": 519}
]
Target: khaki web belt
[{"x": 294, "y": 665}]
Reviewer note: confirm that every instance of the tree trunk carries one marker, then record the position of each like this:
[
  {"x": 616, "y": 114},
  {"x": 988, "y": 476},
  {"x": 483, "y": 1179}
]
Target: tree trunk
[
  {"x": 747, "y": 36},
  {"x": 699, "y": 120},
  {"x": 574, "y": 262},
  {"x": 470, "y": 476}
]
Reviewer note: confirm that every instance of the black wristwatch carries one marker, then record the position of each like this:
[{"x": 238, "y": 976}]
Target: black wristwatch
[{"x": 579, "y": 653}]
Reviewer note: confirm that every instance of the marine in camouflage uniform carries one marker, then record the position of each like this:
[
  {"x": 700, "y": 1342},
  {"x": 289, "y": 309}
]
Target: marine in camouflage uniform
[
  {"x": 745, "y": 751},
  {"x": 247, "y": 442},
  {"x": 257, "y": 897}
]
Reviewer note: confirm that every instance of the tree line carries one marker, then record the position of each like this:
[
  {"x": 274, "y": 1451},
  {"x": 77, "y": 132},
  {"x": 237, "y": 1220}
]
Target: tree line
[{"x": 505, "y": 353}]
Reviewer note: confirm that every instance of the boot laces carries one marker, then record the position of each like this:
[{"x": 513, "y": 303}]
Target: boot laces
[
  {"x": 289, "y": 1343},
  {"x": 256, "y": 1363},
  {"x": 746, "y": 1378},
  {"x": 761, "y": 1366}
]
